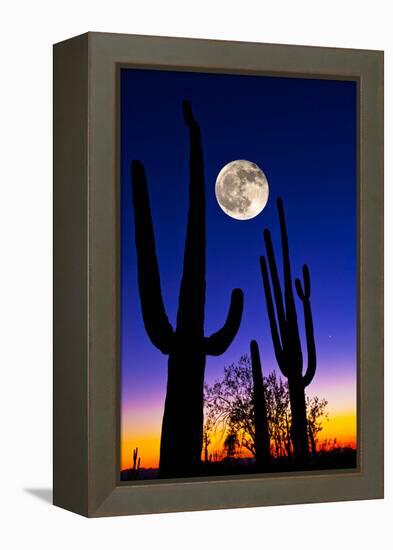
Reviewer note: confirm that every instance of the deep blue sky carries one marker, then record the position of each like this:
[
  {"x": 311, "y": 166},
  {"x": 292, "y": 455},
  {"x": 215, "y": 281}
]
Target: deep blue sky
[{"x": 302, "y": 133}]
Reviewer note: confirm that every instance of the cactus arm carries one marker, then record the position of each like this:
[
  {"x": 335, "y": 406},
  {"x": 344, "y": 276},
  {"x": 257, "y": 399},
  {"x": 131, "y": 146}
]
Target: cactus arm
[
  {"x": 278, "y": 349},
  {"x": 218, "y": 343},
  {"x": 293, "y": 342},
  {"x": 304, "y": 295},
  {"x": 288, "y": 292},
  {"x": 153, "y": 311},
  {"x": 285, "y": 245},
  {"x": 275, "y": 280},
  {"x": 191, "y": 311},
  {"x": 311, "y": 352}
]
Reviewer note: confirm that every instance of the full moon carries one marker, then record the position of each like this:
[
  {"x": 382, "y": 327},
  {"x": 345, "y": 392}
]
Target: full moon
[{"x": 242, "y": 189}]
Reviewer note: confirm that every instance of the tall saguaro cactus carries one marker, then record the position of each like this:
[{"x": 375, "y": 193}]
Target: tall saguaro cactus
[
  {"x": 186, "y": 346},
  {"x": 262, "y": 438},
  {"x": 285, "y": 332}
]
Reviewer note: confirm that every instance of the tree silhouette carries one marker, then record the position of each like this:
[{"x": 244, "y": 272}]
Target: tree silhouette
[
  {"x": 229, "y": 403},
  {"x": 279, "y": 415},
  {"x": 187, "y": 346},
  {"x": 285, "y": 332},
  {"x": 230, "y": 409},
  {"x": 230, "y": 444},
  {"x": 206, "y": 440},
  {"x": 316, "y": 408}
]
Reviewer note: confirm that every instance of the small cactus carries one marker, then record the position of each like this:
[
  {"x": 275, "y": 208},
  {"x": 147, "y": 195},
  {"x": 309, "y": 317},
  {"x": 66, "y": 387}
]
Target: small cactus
[{"x": 136, "y": 463}]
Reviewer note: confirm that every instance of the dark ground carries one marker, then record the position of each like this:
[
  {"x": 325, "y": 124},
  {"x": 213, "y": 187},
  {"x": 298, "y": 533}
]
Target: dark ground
[{"x": 326, "y": 460}]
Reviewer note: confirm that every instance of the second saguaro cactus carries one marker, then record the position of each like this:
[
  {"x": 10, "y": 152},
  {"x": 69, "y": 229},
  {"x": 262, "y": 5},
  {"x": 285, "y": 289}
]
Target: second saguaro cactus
[
  {"x": 186, "y": 346},
  {"x": 285, "y": 332},
  {"x": 262, "y": 438}
]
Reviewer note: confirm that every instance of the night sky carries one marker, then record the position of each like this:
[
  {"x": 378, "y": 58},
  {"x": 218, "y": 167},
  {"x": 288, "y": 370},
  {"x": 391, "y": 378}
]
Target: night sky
[{"x": 302, "y": 133}]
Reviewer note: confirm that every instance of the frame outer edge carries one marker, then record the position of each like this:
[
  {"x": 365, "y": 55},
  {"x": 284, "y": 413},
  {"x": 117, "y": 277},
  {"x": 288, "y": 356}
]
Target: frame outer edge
[
  {"x": 70, "y": 300},
  {"x": 105, "y": 497},
  {"x": 372, "y": 268}
]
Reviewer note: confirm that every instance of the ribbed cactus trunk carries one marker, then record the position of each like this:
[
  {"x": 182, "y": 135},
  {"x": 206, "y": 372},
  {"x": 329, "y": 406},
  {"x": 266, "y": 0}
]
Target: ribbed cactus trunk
[
  {"x": 285, "y": 333},
  {"x": 299, "y": 418},
  {"x": 187, "y": 346},
  {"x": 262, "y": 437}
]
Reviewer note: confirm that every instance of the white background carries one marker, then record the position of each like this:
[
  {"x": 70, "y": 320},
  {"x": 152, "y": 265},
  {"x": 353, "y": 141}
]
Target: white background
[{"x": 28, "y": 30}]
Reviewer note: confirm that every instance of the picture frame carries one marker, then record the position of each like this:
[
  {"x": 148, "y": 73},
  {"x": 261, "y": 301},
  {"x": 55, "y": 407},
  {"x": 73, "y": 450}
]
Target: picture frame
[{"x": 86, "y": 425}]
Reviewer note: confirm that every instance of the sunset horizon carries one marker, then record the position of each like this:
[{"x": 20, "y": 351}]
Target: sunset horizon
[{"x": 341, "y": 425}]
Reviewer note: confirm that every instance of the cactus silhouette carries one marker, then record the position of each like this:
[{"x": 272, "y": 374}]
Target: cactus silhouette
[
  {"x": 285, "y": 332},
  {"x": 262, "y": 438},
  {"x": 136, "y": 463},
  {"x": 186, "y": 346}
]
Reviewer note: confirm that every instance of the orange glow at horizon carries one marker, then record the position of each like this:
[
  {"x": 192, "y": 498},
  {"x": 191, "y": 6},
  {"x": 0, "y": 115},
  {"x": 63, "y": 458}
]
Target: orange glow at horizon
[
  {"x": 148, "y": 450},
  {"x": 340, "y": 426}
]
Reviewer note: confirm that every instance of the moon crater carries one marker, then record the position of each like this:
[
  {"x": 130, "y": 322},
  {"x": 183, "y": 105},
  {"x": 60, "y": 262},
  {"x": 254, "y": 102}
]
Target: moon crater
[{"x": 242, "y": 189}]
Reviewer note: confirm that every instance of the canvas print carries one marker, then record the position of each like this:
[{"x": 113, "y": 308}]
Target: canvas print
[{"x": 238, "y": 261}]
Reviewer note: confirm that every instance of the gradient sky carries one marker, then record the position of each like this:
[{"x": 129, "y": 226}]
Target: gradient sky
[{"x": 302, "y": 133}]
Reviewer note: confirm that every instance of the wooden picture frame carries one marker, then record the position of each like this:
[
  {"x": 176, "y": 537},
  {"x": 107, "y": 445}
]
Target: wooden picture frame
[{"x": 86, "y": 275}]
